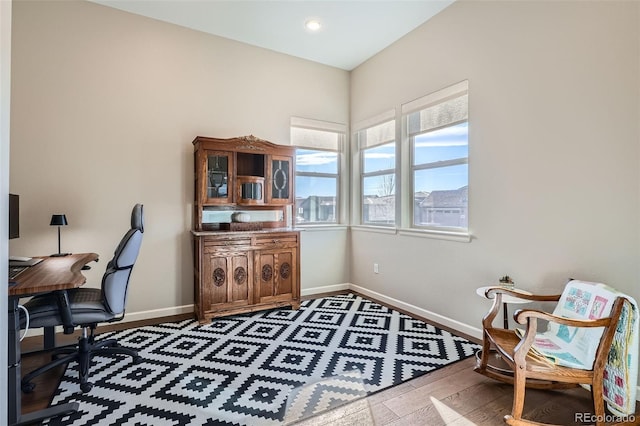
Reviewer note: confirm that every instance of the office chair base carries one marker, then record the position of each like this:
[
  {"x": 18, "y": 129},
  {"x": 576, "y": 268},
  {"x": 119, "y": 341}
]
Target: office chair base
[
  {"x": 82, "y": 354},
  {"x": 47, "y": 413}
]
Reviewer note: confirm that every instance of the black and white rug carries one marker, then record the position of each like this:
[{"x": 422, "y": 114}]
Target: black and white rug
[{"x": 266, "y": 368}]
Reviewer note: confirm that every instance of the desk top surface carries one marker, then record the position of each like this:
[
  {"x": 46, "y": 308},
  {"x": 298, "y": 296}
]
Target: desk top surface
[{"x": 53, "y": 273}]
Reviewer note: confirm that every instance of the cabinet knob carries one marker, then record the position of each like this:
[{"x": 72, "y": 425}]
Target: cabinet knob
[{"x": 275, "y": 241}]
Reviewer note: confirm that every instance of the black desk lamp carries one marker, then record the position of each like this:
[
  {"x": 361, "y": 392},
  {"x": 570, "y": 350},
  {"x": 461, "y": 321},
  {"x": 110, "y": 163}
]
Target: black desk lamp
[{"x": 59, "y": 220}]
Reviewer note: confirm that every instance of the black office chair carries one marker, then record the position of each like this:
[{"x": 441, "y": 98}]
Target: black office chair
[{"x": 89, "y": 306}]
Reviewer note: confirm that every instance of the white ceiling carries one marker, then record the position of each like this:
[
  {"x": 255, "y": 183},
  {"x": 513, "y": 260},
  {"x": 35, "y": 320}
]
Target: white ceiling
[{"x": 352, "y": 30}]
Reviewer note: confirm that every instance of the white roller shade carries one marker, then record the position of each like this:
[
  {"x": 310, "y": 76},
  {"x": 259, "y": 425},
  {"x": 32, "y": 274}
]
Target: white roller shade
[
  {"x": 315, "y": 134},
  {"x": 378, "y": 130},
  {"x": 439, "y": 109}
]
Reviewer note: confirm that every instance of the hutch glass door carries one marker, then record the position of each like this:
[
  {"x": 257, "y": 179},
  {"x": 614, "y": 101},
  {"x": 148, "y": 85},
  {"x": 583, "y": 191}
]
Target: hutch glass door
[
  {"x": 217, "y": 177},
  {"x": 281, "y": 189}
]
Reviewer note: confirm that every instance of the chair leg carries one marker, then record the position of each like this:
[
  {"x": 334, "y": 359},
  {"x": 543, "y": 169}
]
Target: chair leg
[
  {"x": 85, "y": 350},
  {"x": 481, "y": 365},
  {"x": 111, "y": 347},
  {"x": 84, "y": 362},
  {"x": 105, "y": 343},
  {"x": 27, "y": 386},
  {"x": 119, "y": 350},
  {"x": 519, "y": 388},
  {"x": 79, "y": 354},
  {"x": 64, "y": 351},
  {"x": 598, "y": 400}
]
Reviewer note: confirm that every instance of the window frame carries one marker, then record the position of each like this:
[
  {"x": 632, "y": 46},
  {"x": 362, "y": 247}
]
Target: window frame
[
  {"x": 439, "y": 97},
  {"x": 340, "y": 130},
  {"x": 336, "y": 176},
  {"x": 441, "y": 164},
  {"x": 376, "y": 173},
  {"x": 387, "y": 118}
]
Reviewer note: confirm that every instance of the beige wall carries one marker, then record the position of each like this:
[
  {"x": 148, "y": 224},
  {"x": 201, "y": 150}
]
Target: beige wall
[
  {"x": 554, "y": 150},
  {"x": 105, "y": 105}
]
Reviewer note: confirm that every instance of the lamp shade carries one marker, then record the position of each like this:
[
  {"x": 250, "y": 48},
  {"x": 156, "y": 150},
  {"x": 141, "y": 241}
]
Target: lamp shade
[{"x": 58, "y": 220}]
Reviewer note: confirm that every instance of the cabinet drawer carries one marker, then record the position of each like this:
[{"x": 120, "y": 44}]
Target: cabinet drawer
[
  {"x": 279, "y": 240},
  {"x": 230, "y": 241}
]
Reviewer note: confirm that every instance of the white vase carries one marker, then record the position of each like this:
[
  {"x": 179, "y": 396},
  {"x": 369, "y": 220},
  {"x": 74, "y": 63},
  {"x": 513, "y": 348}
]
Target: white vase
[{"x": 240, "y": 217}]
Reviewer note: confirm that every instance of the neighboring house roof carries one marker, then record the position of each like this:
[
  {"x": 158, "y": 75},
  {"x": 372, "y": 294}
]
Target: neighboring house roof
[
  {"x": 447, "y": 198},
  {"x": 420, "y": 195},
  {"x": 385, "y": 199},
  {"x": 322, "y": 200}
]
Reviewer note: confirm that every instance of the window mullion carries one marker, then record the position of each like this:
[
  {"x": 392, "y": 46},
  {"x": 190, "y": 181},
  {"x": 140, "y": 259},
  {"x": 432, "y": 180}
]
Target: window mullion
[
  {"x": 379, "y": 173},
  {"x": 438, "y": 164},
  {"x": 318, "y": 174}
]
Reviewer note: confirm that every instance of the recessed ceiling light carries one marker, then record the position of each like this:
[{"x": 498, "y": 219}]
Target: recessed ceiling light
[{"x": 313, "y": 25}]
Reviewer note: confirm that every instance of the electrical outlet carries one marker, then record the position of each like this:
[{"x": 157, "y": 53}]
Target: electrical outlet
[{"x": 375, "y": 268}]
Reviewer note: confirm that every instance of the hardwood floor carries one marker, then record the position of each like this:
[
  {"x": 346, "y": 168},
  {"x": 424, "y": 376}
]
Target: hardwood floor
[{"x": 453, "y": 395}]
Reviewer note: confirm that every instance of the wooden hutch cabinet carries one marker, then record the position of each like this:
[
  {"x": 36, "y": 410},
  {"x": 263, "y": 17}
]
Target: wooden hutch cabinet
[{"x": 246, "y": 255}]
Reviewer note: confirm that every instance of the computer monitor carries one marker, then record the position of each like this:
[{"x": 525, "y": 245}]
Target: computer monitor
[{"x": 14, "y": 216}]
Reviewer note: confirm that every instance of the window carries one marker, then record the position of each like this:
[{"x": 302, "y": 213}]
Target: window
[
  {"x": 377, "y": 149},
  {"x": 319, "y": 147},
  {"x": 437, "y": 129}
]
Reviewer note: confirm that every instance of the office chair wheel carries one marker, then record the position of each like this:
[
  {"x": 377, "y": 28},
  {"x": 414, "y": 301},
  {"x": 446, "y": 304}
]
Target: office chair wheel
[
  {"x": 27, "y": 387},
  {"x": 86, "y": 387},
  {"x": 137, "y": 359}
]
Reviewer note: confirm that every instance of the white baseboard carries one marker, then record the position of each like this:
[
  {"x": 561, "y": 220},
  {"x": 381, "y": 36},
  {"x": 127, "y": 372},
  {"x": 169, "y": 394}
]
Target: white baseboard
[
  {"x": 326, "y": 289},
  {"x": 440, "y": 319},
  {"x": 158, "y": 313}
]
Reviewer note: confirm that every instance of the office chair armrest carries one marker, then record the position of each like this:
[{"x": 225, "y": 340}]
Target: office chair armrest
[{"x": 65, "y": 311}]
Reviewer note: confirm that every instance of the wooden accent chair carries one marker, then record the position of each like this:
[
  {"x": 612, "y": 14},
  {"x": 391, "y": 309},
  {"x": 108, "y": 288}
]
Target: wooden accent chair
[{"x": 526, "y": 368}]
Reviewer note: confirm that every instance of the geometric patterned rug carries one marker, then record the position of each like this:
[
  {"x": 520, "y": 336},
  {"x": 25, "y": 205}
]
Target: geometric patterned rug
[{"x": 264, "y": 368}]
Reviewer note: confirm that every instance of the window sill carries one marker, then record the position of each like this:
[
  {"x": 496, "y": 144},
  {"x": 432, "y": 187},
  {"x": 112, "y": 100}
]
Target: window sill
[
  {"x": 378, "y": 229},
  {"x": 314, "y": 228},
  {"x": 461, "y": 237}
]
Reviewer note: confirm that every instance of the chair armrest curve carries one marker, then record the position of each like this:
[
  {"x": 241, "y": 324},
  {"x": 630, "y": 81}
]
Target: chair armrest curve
[
  {"x": 521, "y": 295},
  {"x": 522, "y": 315}
]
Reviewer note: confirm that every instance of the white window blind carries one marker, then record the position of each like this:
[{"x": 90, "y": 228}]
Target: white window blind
[
  {"x": 376, "y": 131},
  {"x": 315, "y": 134},
  {"x": 443, "y": 108}
]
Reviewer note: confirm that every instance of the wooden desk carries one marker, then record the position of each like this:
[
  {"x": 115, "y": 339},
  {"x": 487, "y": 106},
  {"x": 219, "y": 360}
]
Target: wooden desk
[{"x": 52, "y": 274}]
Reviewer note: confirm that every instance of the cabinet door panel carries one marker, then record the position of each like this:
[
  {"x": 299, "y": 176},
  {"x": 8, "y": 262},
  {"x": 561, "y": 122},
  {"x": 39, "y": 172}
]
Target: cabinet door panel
[
  {"x": 215, "y": 279},
  {"x": 277, "y": 274},
  {"x": 240, "y": 284},
  {"x": 265, "y": 274},
  {"x": 285, "y": 266}
]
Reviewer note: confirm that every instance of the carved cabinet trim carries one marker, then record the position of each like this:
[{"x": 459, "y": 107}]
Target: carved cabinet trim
[{"x": 237, "y": 272}]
